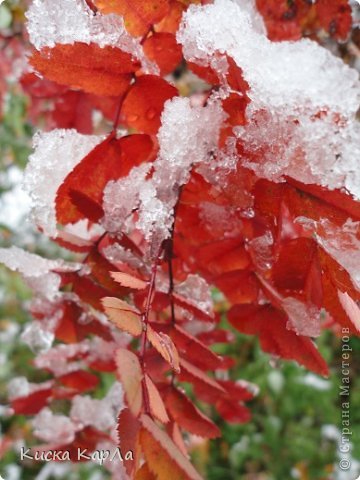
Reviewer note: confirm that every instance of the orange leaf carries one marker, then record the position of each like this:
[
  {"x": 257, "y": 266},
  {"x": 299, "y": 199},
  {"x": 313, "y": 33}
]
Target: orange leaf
[
  {"x": 164, "y": 458},
  {"x": 163, "y": 49},
  {"x": 144, "y": 473},
  {"x": 110, "y": 160},
  {"x": 144, "y": 103},
  {"x": 157, "y": 406},
  {"x": 130, "y": 376},
  {"x": 128, "y": 280},
  {"x": 123, "y": 315},
  {"x": 188, "y": 416},
  {"x": 139, "y": 15},
  {"x": 165, "y": 346},
  {"x": 104, "y": 71}
]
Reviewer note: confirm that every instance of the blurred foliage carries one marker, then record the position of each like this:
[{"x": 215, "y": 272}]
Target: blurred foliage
[{"x": 285, "y": 438}]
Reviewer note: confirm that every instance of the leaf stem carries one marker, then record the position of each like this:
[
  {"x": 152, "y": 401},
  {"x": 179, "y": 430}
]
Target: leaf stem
[{"x": 145, "y": 327}]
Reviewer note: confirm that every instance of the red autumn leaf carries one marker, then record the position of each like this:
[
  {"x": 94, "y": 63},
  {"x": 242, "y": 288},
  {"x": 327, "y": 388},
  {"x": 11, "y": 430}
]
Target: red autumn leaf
[
  {"x": 233, "y": 412},
  {"x": 293, "y": 265},
  {"x": 269, "y": 324},
  {"x": 336, "y": 198},
  {"x": 188, "y": 416},
  {"x": 238, "y": 391},
  {"x": 218, "y": 335},
  {"x": 163, "y": 457},
  {"x": 239, "y": 286},
  {"x": 195, "y": 350},
  {"x": 335, "y": 278},
  {"x": 33, "y": 403},
  {"x": 163, "y": 49},
  {"x": 205, "y": 386},
  {"x": 103, "y": 71},
  {"x": 100, "y": 268},
  {"x": 80, "y": 381},
  {"x": 139, "y": 15},
  {"x": 225, "y": 255},
  {"x": 144, "y": 103},
  {"x": 123, "y": 315},
  {"x": 130, "y": 375},
  {"x": 128, "y": 428},
  {"x": 110, "y": 160},
  {"x": 157, "y": 407},
  {"x": 235, "y": 106},
  {"x": 73, "y": 242},
  {"x": 335, "y": 17},
  {"x": 191, "y": 307}
]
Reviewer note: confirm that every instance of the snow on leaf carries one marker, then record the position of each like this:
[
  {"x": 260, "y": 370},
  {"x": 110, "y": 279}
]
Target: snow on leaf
[
  {"x": 300, "y": 123},
  {"x": 121, "y": 198},
  {"x": 98, "y": 413},
  {"x": 123, "y": 315},
  {"x": 82, "y": 191},
  {"x": 130, "y": 375},
  {"x": 37, "y": 271},
  {"x": 56, "y": 154},
  {"x": 70, "y": 21},
  {"x": 53, "y": 428},
  {"x": 297, "y": 73},
  {"x": 138, "y": 15}
]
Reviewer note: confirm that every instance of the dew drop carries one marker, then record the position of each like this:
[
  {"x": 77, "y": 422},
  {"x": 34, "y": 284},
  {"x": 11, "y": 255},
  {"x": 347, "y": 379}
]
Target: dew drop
[
  {"x": 132, "y": 117},
  {"x": 151, "y": 113}
]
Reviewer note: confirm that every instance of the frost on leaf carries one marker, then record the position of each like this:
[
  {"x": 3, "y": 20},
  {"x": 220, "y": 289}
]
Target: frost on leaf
[{"x": 56, "y": 154}]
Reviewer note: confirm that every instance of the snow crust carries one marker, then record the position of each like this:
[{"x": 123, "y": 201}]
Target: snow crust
[
  {"x": 55, "y": 156},
  {"x": 37, "y": 271},
  {"x": 70, "y": 21},
  {"x": 303, "y": 99}
]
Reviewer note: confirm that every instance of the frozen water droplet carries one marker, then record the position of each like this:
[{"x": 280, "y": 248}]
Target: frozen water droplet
[
  {"x": 132, "y": 117},
  {"x": 151, "y": 113}
]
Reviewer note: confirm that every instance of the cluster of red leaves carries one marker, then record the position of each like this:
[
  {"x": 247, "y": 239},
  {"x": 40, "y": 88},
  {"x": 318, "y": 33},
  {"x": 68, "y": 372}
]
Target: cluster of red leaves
[
  {"x": 292, "y": 19},
  {"x": 257, "y": 277}
]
